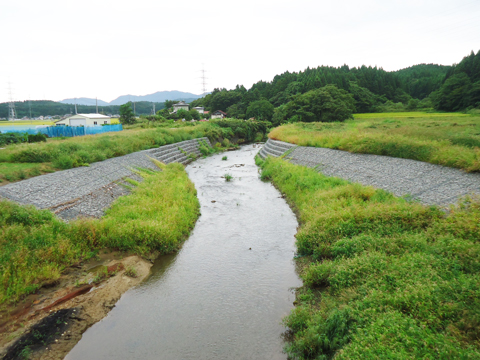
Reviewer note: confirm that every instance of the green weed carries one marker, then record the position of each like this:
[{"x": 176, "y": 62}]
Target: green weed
[
  {"x": 445, "y": 139},
  {"x": 383, "y": 277},
  {"x": 228, "y": 177}
]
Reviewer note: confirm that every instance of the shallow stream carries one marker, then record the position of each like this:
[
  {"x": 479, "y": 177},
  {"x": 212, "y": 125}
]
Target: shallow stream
[{"x": 224, "y": 294}]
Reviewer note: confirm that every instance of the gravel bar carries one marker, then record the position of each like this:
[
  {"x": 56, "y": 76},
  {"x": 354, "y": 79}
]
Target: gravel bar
[
  {"x": 88, "y": 191},
  {"x": 430, "y": 184}
]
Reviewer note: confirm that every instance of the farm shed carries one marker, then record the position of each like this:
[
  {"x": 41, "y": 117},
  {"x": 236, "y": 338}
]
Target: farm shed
[{"x": 84, "y": 120}]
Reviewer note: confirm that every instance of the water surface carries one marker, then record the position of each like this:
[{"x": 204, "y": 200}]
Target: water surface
[{"x": 224, "y": 294}]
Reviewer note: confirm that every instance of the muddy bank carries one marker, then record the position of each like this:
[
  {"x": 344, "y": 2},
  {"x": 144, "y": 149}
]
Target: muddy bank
[{"x": 48, "y": 324}]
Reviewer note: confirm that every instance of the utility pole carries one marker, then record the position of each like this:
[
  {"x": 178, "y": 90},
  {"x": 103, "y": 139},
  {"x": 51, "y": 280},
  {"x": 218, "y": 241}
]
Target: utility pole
[
  {"x": 12, "y": 115},
  {"x": 154, "y": 109},
  {"x": 76, "y": 106},
  {"x": 204, "y": 80},
  {"x": 96, "y": 105}
]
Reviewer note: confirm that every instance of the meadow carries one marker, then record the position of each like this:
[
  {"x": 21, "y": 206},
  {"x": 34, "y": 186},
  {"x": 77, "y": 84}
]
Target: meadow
[
  {"x": 37, "y": 246},
  {"x": 383, "y": 277},
  {"x": 66, "y": 153},
  {"x": 447, "y": 139}
]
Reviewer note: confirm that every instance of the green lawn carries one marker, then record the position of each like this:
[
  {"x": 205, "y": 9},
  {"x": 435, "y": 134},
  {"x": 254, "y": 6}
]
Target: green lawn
[
  {"x": 446, "y": 139},
  {"x": 383, "y": 278}
]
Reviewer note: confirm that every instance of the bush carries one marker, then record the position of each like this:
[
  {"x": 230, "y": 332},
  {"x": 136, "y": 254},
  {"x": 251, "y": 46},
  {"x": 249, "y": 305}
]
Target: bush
[{"x": 37, "y": 138}]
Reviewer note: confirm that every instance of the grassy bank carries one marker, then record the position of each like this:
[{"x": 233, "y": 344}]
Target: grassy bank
[
  {"x": 66, "y": 153},
  {"x": 383, "y": 278},
  {"x": 445, "y": 139},
  {"x": 36, "y": 246}
]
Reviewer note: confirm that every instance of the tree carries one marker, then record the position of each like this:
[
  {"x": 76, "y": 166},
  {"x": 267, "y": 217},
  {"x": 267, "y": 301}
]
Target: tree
[
  {"x": 194, "y": 114},
  {"x": 184, "y": 114},
  {"x": 126, "y": 114},
  {"x": 260, "y": 110},
  {"x": 169, "y": 103},
  {"x": 326, "y": 104}
]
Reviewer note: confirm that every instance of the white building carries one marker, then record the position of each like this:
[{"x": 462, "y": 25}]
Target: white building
[
  {"x": 180, "y": 105},
  {"x": 84, "y": 120},
  {"x": 200, "y": 109},
  {"x": 219, "y": 114}
]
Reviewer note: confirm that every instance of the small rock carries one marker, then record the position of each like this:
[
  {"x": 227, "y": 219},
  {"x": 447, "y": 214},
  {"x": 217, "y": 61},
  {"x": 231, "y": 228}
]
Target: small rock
[{"x": 214, "y": 201}]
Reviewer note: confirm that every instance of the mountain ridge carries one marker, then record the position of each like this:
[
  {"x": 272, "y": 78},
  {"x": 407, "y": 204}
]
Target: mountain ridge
[{"x": 159, "y": 96}]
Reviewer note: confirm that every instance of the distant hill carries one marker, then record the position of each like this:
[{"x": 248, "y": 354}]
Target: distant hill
[
  {"x": 158, "y": 97},
  {"x": 84, "y": 101}
]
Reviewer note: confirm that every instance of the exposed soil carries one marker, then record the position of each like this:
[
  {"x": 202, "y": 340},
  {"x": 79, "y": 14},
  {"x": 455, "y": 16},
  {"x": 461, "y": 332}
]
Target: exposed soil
[{"x": 48, "y": 324}]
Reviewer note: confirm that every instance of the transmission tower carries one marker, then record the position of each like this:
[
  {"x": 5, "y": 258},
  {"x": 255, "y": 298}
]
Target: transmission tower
[
  {"x": 204, "y": 80},
  {"x": 12, "y": 115}
]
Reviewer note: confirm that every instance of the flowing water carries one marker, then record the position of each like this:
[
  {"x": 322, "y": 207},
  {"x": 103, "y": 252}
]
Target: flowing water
[{"x": 224, "y": 294}]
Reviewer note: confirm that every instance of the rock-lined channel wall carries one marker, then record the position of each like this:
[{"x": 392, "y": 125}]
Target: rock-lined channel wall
[
  {"x": 88, "y": 191},
  {"x": 427, "y": 183}
]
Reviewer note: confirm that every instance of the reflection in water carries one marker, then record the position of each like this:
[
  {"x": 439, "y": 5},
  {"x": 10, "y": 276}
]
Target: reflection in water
[{"x": 224, "y": 294}]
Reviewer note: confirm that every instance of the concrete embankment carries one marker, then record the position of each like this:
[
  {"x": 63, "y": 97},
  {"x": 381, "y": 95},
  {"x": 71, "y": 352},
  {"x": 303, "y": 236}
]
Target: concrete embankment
[
  {"x": 427, "y": 183},
  {"x": 88, "y": 191}
]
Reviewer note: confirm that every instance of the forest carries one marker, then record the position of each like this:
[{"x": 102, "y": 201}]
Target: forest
[{"x": 371, "y": 89}]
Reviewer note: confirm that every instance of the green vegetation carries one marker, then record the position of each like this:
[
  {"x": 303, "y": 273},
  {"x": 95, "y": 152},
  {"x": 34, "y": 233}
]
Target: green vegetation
[
  {"x": 327, "y": 104},
  {"x": 16, "y": 138},
  {"x": 383, "y": 278},
  {"x": 228, "y": 177},
  {"x": 423, "y": 86},
  {"x": 46, "y": 107},
  {"x": 461, "y": 88},
  {"x": 36, "y": 246},
  {"x": 67, "y": 153},
  {"x": 14, "y": 172},
  {"x": 446, "y": 139},
  {"x": 224, "y": 158},
  {"x": 127, "y": 116}
]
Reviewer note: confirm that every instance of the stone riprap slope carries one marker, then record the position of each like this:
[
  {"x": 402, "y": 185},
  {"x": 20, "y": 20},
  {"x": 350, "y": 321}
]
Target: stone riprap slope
[
  {"x": 88, "y": 191},
  {"x": 428, "y": 183}
]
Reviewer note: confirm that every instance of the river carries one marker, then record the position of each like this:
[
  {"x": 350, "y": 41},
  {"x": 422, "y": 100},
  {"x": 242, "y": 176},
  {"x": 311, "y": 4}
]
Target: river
[{"x": 224, "y": 294}]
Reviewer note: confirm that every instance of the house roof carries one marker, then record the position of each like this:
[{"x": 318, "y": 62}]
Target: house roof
[
  {"x": 219, "y": 112},
  {"x": 90, "y": 116},
  {"x": 181, "y": 103}
]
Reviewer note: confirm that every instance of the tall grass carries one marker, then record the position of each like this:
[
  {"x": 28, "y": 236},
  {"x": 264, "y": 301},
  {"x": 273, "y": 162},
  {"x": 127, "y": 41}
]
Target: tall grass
[
  {"x": 78, "y": 151},
  {"x": 36, "y": 246},
  {"x": 383, "y": 278},
  {"x": 445, "y": 139}
]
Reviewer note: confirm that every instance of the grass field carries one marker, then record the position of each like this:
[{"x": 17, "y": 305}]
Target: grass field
[
  {"x": 26, "y": 122},
  {"x": 446, "y": 139},
  {"x": 383, "y": 277},
  {"x": 37, "y": 246}
]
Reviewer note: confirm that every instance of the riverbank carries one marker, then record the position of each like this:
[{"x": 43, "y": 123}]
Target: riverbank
[
  {"x": 48, "y": 324},
  {"x": 416, "y": 180},
  {"x": 223, "y": 295},
  {"x": 383, "y": 277},
  {"x": 451, "y": 140},
  {"x": 39, "y": 250},
  {"x": 22, "y": 161}
]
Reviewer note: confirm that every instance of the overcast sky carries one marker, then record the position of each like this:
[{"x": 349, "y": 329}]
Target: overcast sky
[{"x": 56, "y": 49}]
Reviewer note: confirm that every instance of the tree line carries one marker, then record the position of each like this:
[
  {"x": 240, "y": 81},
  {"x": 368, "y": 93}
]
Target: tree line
[
  {"x": 51, "y": 108},
  {"x": 363, "y": 89}
]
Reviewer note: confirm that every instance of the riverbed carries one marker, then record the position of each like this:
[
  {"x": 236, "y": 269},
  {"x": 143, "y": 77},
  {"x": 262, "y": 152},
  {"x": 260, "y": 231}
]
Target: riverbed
[{"x": 224, "y": 294}]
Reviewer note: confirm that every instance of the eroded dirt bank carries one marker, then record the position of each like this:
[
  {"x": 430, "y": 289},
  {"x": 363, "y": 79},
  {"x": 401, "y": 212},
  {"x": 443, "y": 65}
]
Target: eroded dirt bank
[{"x": 48, "y": 324}]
